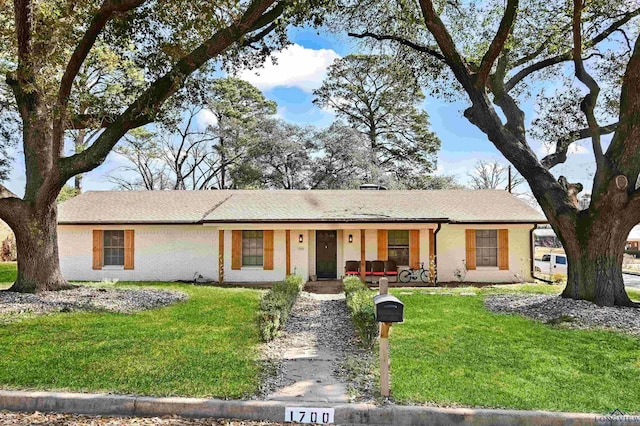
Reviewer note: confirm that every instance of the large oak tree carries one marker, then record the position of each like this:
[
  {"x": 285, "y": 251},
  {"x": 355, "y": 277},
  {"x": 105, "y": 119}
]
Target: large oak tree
[
  {"x": 43, "y": 48},
  {"x": 497, "y": 53}
]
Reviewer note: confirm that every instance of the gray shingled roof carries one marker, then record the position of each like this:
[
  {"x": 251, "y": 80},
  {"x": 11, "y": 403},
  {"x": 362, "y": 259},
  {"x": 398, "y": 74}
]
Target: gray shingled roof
[{"x": 296, "y": 206}]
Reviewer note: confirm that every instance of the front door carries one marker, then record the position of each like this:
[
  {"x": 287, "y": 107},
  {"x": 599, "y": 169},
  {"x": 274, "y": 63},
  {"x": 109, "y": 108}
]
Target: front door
[{"x": 326, "y": 254}]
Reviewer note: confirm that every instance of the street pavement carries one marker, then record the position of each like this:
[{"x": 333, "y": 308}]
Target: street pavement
[{"x": 632, "y": 281}]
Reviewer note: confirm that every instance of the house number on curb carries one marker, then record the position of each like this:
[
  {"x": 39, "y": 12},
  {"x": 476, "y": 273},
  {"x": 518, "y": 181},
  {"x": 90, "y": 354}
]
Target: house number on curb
[{"x": 323, "y": 416}]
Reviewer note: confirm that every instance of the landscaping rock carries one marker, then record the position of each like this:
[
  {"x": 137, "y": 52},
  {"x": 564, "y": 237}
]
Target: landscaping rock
[
  {"x": 87, "y": 299},
  {"x": 569, "y": 313}
]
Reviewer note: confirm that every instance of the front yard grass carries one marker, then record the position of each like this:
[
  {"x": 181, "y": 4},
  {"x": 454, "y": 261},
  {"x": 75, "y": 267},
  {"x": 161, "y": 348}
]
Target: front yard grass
[
  {"x": 452, "y": 351},
  {"x": 206, "y": 346},
  {"x": 8, "y": 274}
]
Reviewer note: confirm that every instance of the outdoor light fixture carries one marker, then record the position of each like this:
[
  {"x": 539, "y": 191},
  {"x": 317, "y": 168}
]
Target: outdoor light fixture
[
  {"x": 300, "y": 238},
  {"x": 350, "y": 238}
]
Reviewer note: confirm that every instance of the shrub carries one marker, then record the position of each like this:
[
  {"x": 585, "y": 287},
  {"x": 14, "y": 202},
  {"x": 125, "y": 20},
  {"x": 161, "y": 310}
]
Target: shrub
[
  {"x": 276, "y": 305},
  {"x": 353, "y": 284},
  {"x": 558, "y": 278},
  {"x": 8, "y": 249},
  {"x": 295, "y": 280},
  {"x": 362, "y": 310}
]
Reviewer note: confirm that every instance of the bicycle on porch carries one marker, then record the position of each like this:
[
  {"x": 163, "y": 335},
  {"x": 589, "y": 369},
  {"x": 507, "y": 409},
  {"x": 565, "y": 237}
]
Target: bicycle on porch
[{"x": 412, "y": 274}]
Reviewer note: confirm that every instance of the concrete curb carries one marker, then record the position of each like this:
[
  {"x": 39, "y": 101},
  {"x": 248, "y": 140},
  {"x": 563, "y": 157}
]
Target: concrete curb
[{"x": 345, "y": 414}]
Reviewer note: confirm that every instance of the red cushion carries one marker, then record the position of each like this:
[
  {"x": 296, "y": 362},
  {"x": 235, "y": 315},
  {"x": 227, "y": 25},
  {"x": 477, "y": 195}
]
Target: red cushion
[
  {"x": 353, "y": 273},
  {"x": 378, "y": 273},
  {"x": 368, "y": 273},
  {"x": 391, "y": 273}
]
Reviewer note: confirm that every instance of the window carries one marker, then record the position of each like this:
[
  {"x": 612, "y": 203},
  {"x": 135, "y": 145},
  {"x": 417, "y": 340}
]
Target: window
[
  {"x": 252, "y": 248},
  {"x": 113, "y": 248},
  {"x": 561, "y": 260},
  {"x": 486, "y": 247},
  {"x": 398, "y": 247}
]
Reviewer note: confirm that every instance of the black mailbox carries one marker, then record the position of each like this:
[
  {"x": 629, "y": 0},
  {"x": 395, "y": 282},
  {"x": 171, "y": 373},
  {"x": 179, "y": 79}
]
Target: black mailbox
[{"x": 388, "y": 308}]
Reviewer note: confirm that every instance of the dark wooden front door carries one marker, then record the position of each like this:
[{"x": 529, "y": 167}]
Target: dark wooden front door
[{"x": 326, "y": 254}]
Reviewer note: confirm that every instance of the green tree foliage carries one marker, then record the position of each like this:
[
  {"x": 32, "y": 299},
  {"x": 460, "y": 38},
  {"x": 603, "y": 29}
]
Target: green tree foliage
[
  {"x": 380, "y": 97},
  {"x": 283, "y": 155},
  {"x": 239, "y": 108},
  {"x": 46, "y": 45},
  {"x": 66, "y": 193},
  {"x": 496, "y": 55}
]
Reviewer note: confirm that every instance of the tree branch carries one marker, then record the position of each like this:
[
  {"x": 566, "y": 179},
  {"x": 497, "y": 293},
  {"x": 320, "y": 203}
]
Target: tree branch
[
  {"x": 401, "y": 40},
  {"x": 452, "y": 57},
  {"x": 23, "y": 19},
  {"x": 567, "y": 56},
  {"x": 623, "y": 153},
  {"x": 143, "y": 109},
  {"x": 86, "y": 121},
  {"x": 108, "y": 9},
  {"x": 497, "y": 44},
  {"x": 562, "y": 146},
  {"x": 588, "y": 103},
  {"x": 11, "y": 207}
]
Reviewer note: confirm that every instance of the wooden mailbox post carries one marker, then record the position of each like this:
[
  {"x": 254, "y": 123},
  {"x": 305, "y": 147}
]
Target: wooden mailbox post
[{"x": 388, "y": 310}]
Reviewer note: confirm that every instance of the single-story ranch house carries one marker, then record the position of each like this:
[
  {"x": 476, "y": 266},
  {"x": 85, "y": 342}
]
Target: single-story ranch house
[{"x": 261, "y": 235}]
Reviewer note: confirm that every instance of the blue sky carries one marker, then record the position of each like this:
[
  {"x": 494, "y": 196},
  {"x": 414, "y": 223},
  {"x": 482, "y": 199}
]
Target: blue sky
[{"x": 302, "y": 67}]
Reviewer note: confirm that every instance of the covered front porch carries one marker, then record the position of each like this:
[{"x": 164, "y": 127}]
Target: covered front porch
[{"x": 323, "y": 251}]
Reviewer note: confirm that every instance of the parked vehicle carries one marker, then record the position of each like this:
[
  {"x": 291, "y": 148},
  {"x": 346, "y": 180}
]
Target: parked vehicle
[{"x": 551, "y": 263}]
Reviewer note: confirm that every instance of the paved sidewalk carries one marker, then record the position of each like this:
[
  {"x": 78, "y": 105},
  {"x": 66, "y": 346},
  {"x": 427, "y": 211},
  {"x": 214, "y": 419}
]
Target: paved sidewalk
[{"x": 313, "y": 348}]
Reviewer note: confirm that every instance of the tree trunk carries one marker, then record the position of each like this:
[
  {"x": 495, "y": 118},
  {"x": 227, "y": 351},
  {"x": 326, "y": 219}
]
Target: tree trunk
[
  {"x": 595, "y": 261},
  {"x": 38, "y": 260}
]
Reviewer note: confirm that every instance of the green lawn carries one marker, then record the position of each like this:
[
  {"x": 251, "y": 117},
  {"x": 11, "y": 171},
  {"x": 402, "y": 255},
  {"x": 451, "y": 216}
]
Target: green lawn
[
  {"x": 206, "y": 346},
  {"x": 7, "y": 273},
  {"x": 452, "y": 351}
]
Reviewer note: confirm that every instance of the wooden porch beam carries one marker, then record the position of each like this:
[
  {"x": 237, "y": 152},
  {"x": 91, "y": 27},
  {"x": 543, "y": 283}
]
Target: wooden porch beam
[
  {"x": 363, "y": 260},
  {"x": 288, "y": 250},
  {"x": 221, "y": 257}
]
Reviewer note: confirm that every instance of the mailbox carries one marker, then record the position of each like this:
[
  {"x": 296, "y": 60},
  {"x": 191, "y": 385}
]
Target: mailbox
[{"x": 388, "y": 308}]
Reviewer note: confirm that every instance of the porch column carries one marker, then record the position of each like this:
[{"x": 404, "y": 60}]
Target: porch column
[
  {"x": 288, "y": 251},
  {"x": 363, "y": 260},
  {"x": 221, "y": 257}
]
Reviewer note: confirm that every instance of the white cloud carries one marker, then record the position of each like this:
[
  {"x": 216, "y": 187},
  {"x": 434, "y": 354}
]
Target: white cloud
[
  {"x": 574, "y": 148},
  {"x": 295, "y": 66},
  {"x": 205, "y": 117}
]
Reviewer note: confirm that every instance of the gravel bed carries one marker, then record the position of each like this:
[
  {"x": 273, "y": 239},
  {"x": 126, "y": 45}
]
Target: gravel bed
[
  {"x": 569, "y": 313},
  {"x": 87, "y": 299},
  {"x": 324, "y": 319},
  {"x": 51, "y": 419}
]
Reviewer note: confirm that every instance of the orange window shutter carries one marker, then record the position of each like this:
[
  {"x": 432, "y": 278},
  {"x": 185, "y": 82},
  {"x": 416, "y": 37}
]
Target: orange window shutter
[
  {"x": 129, "y": 243},
  {"x": 503, "y": 249},
  {"x": 236, "y": 250},
  {"x": 432, "y": 244},
  {"x": 414, "y": 248},
  {"x": 470, "y": 236},
  {"x": 383, "y": 253},
  {"x": 97, "y": 249},
  {"x": 268, "y": 250}
]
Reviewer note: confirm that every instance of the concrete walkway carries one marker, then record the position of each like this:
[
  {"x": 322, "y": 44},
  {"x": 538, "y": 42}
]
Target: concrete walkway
[{"x": 313, "y": 346}]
